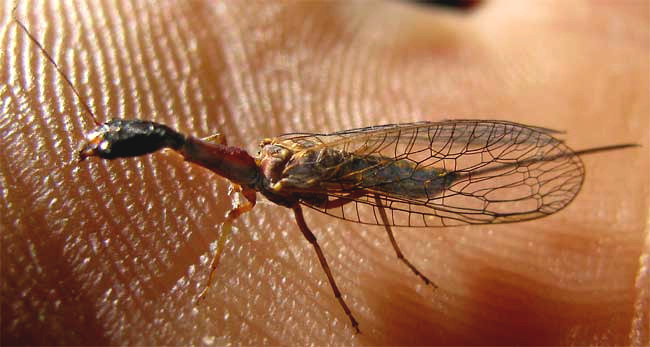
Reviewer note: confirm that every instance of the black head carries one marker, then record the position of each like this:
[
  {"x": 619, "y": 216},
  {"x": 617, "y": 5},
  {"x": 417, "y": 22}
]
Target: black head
[{"x": 119, "y": 138}]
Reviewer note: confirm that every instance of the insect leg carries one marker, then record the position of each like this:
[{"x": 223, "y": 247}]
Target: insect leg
[
  {"x": 217, "y": 138},
  {"x": 225, "y": 231},
  {"x": 400, "y": 256},
  {"x": 342, "y": 200},
  {"x": 300, "y": 219}
]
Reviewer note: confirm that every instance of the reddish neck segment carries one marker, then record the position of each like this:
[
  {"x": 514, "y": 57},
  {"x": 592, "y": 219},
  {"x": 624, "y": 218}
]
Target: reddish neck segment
[{"x": 232, "y": 163}]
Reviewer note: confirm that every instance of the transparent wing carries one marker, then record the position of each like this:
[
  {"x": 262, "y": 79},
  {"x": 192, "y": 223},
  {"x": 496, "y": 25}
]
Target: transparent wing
[{"x": 434, "y": 174}]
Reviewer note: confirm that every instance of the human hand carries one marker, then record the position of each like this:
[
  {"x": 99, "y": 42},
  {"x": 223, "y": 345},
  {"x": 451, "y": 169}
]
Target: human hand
[{"x": 115, "y": 252}]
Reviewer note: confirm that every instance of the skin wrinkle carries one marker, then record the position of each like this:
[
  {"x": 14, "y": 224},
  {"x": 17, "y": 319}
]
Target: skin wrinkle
[{"x": 565, "y": 279}]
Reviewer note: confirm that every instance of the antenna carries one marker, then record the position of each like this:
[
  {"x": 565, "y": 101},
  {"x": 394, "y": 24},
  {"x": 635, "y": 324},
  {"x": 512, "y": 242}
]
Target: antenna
[{"x": 56, "y": 66}]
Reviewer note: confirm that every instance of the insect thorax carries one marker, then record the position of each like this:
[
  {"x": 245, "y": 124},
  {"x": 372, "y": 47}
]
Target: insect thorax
[{"x": 320, "y": 170}]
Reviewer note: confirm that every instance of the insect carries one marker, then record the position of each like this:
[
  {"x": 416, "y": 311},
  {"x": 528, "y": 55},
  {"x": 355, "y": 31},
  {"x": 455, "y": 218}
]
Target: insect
[{"x": 423, "y": 174}]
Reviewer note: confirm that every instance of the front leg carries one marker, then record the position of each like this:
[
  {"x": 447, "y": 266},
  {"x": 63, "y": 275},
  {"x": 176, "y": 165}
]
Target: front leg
[{"x": 233, "y": 214}]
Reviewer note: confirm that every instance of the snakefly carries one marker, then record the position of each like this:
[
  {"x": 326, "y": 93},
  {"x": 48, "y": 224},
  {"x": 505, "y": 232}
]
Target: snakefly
[{"x": 424, "y": 174}]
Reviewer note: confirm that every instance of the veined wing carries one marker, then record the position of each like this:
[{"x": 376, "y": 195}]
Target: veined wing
[{"x": 434, "y": 174}]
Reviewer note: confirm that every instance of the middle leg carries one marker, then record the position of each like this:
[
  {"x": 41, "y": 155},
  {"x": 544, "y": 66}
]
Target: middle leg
[{"x": 300, "y": 219}]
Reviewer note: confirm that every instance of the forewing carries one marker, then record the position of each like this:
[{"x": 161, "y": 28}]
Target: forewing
[{"x": 495, "y": 172}]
